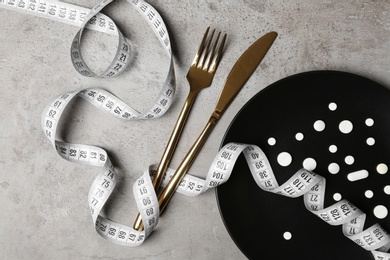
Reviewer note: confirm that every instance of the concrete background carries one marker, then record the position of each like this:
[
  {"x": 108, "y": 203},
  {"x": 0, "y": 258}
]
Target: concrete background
[{"x": 44, "y": 212}]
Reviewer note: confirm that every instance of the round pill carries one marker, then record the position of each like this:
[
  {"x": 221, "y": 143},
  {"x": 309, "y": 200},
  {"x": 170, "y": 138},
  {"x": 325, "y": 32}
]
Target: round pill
[
  {"x": 369, "y": 194},
  {"x": 271, "y": 141},
  {"x": 370, "y": 141},
  {"x": 333, "y": 148},
  {"x": 309, "y": 164},
  {"x": 287, "y": 235},
  {"x": 346, "y": 126},
  {"x": 332, "y": 106},
  {"x": 299, "y": 136},
  {"x": 337, "y": 196},
  {"x": 284, "y": 159},
  {"x": 349, "y": 160},
  {"x": 319, "y": 125},
  {"x": 380, "y": 211},
  {"x": 382, "y": 168},
  {"x": 333, "y": 168},
  {"x": 386, "y": 189},
  {"x": 369, "y": 122}
]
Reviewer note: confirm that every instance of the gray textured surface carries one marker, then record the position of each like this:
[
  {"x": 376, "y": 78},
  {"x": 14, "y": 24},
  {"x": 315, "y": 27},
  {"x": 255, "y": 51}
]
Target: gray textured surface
[{"x": 44, "y": 212}]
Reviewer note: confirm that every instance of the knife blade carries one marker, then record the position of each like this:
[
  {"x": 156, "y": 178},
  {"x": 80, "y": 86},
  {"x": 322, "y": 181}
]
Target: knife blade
[{"x": 243, "y": 69}]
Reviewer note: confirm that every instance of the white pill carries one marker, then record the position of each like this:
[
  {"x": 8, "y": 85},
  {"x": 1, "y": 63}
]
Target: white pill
[
  {"x": 299, "y": 136},
  {"x": 284, "y": 159},
  {"x": 333, "y": 148},
  {"x": 332, "y": 106},
  {"x": 333, "y": 168},
  {"x": 369, "y": 122},
  {"x": 337, "y": 196},
  {"x": 370, "y": 141},
  {"x": 319, "y": 125},
  {"x": 380, "y": 211},
  {"x": 346, "y": 126},
  {"x": 369, "y": 194},
  {"x": 309, "y": 164},
  {"x": 349, "y": 160},
  {"x": 382, "y": 168},
  {"x": 358, "y": 175},
  {"x": 271, "y": 141},
  {"x": 287, "y": 235},
  {"x": 386, "y": 189}
]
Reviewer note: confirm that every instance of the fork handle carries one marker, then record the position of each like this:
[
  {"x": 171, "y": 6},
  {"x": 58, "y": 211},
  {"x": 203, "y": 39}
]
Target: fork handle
[
  {"x": 181, "y": 171},
  {"x": 170, "y": 148}
]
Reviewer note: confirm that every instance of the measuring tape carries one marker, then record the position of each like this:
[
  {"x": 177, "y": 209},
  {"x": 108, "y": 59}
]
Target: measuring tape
[
  {"x": 92, "y": 19},
  {"x": 303, "y": 182},
  {"x": 61, "y": 12},
  {"x": 105, "y": 182}
]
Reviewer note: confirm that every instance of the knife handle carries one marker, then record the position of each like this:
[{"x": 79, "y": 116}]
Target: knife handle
[{"x": 186, "y": 163}]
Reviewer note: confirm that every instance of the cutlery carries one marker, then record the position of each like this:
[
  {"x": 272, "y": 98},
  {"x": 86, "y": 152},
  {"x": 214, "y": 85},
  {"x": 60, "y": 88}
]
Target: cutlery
[
  {"x": 238, "y": 76},
  {"x": 199, "y": 76}
]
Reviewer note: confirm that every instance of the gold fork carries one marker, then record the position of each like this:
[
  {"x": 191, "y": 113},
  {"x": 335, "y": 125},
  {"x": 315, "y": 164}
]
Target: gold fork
[{"x": 199, "y": 76}]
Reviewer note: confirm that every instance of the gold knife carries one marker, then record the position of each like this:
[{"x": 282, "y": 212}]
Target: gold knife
[{"x": 238, "y": 76}]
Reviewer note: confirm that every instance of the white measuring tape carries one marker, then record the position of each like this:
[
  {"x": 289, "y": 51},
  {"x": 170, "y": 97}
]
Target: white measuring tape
[
  {"x": 306, "y": 183},
  {"x": 310, "y": 185},
  {"x": 62, "y": 12},
  {"x": 105, "y": 182}
]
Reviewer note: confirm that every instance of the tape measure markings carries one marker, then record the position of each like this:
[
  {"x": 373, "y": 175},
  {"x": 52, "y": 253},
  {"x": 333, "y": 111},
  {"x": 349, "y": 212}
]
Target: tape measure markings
[
  {"x": 303, "y": 182},
  {"x": 312, "y": 187},
  {"x": 93, "y": 19},
  {"x": 63, "y": 12},
  {"x": 120, "y": 60},
  {"x": 105, "y": 182}
]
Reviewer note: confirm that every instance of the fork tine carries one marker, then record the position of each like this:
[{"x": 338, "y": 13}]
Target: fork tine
[
  {"x": 218, "y": 56},
  {"x": 210, "y": 56},
  {"x": 201, "y": 47},
  {"x": 205, "y": 52}
]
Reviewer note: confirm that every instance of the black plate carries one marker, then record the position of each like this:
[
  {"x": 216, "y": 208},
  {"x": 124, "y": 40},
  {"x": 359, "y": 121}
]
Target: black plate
[{"x": 257, "y": 220}]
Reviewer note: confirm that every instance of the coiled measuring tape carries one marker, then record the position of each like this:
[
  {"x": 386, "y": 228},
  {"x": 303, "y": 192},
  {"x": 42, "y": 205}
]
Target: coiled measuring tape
[
  {"x": 306, "y": 183},
  {"x": 105, "y": 182},
  {"x": 92, "y": 19}
]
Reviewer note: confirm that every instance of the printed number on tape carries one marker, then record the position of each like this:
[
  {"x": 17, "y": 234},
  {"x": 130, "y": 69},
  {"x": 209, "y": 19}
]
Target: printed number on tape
[
  {"x": 306, "y": 183},
  {"x": 105, "y": 182}
]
